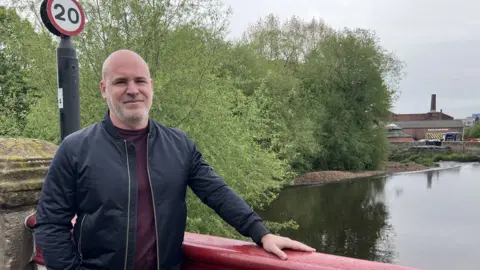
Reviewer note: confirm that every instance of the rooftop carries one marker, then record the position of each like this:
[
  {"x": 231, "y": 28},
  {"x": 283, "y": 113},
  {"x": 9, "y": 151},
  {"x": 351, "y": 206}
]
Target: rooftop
[
  {"x": 398, "y": 134},
  {"x": 429, "y": 124}
]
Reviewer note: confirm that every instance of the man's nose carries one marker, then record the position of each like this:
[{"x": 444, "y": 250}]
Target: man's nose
[{"x": 132, "y": 88}]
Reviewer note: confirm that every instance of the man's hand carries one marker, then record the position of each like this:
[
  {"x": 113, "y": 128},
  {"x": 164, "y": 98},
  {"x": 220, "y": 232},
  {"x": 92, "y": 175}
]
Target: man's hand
[{"x": 274, "y": 244}]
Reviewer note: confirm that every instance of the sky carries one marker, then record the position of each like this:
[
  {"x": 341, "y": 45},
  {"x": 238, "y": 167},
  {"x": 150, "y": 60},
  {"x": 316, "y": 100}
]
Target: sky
[{"x": 438, "y": 40}]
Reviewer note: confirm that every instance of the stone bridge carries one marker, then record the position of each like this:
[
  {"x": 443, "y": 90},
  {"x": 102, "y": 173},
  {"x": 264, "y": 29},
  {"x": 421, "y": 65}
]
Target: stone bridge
[{"x": 23, "y": 165}]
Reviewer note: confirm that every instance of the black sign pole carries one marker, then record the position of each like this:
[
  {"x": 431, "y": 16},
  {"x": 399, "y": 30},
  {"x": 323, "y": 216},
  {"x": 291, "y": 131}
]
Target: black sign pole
[
  {"x": 68, "y": 87},
  {"x": 65, "y": 18}
]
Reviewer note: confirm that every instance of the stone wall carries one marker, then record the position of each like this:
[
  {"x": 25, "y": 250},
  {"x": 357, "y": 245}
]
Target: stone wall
[
  {"x": 400, "y": 139},
  {"x": 404, "y": 145},
  {"x": 23, "y": 165}
]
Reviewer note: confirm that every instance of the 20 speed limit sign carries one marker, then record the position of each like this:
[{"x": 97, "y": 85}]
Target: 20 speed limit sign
[{"x": 66, "y": 16}]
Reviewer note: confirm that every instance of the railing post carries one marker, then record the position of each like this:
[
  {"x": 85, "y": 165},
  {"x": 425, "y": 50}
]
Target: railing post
[{"x": 23, "y": 164}]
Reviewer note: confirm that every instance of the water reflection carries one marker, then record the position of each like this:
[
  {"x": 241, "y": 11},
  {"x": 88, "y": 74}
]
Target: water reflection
[
  {"x": 421, "y": 219},
  {"x": 429, "y": 178},
  {"x": 348, "y": 218}
]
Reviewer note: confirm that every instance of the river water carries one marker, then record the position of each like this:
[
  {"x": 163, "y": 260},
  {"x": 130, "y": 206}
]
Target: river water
[{"x": 429, "y": 220}]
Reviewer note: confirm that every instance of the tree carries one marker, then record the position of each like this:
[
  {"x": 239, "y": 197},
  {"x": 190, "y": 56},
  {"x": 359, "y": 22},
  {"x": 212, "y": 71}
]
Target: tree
[
  {"x": 17, "y": 89},
  {"x": 278, "y": 51},
  {"x": 323, "y": 94},
  {"x": 345, "y": 76},
  {"x": 13, "y": 97},
  {"x": 183, "y": 44},
  {"x": 288, "y": 98},
  {"x": 473, "y": 131}
]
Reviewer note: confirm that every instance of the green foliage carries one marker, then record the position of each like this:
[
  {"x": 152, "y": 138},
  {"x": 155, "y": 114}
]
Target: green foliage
[
  {"x": 285, "y": 99},
  {"x": 346, "y": 70},
  {"x": 28, "y": 72},
  {"x": 13, "y": 97},
  {"x": 326, "y": 94},
  {"x": 17, "y": 87},
  {"x": 425, "y": 159},
  {"x": 456, "y": 157},
  {"x": 473, "y": 132},
  {"x": 430, "y": 158}
]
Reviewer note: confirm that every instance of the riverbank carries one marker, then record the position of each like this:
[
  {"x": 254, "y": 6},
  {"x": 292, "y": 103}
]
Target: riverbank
[
  {"x": 321, "y": 177},
  {"x": 401, "y": 161}
]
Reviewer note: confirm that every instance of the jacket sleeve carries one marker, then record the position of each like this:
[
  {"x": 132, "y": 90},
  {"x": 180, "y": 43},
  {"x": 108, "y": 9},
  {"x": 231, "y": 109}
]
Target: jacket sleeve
[
  {"x": 214, "y": 192},
  {"x": 55, "y": 211}
]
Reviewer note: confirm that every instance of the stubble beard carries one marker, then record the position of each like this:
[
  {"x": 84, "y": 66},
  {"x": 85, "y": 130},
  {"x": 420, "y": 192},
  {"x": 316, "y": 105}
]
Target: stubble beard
[{"x": 131, "y": 118}]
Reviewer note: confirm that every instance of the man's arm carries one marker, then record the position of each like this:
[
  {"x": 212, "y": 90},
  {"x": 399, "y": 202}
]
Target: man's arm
[
  {"x": 214, "y": 192},
  {"x": 55, "y": 211}
]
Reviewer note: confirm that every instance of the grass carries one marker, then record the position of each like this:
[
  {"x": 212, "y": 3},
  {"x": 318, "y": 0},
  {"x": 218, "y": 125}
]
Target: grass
[{"x": 430, "y": 159}]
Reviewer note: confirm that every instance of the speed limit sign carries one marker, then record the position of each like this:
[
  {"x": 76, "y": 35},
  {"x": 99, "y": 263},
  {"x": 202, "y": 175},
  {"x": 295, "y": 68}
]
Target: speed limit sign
[{"x": 66, "y": 16}]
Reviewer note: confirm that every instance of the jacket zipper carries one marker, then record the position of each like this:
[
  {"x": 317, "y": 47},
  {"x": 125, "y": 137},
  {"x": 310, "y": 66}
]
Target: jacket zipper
[
  {"x": 154, "y": 209},
  {"x": 80, "y": 237},
  {"x": 128, "y": 211}
]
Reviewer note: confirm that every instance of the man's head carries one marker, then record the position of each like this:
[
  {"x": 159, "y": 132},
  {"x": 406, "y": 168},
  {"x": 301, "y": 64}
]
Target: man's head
[{"x": 127, "y": 87}]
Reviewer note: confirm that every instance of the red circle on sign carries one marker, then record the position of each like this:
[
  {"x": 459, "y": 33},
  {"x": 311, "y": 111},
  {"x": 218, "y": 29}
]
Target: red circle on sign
[{"x": 60, "y": 29}]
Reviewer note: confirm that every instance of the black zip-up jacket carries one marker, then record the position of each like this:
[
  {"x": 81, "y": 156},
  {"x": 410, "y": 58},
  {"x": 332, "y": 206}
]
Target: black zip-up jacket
[{"x": 93, "y": 176}]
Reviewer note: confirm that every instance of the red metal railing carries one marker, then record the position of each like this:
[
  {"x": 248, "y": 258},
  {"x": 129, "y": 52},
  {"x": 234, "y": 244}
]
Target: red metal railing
[{"x": 204, "y": 252}]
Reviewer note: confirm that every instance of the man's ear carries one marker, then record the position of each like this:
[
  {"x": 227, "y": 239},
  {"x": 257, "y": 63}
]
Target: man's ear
[{"x": 102, "y": 89}]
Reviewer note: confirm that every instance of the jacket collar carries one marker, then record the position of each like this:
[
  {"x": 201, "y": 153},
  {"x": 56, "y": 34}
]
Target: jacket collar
[{"x": 112, "y": 130}]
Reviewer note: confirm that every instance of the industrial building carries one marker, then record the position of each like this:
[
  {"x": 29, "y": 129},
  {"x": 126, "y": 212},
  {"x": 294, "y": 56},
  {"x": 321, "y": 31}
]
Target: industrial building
[{"x": 431, "y": 125}]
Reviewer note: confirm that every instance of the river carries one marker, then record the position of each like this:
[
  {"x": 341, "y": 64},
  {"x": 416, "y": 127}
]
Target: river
[{"x": 429, "y": 219}]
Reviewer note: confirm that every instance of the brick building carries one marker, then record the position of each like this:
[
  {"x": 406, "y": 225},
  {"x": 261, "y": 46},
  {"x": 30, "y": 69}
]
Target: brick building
[
  {"x": 429, "y": 129},
  {"x": 430, "y": 125},
  {"x": 431, "y": 115}
]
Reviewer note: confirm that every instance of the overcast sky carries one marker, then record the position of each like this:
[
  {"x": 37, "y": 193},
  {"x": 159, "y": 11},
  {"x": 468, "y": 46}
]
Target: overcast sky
[{"x": 438, "y": 40}]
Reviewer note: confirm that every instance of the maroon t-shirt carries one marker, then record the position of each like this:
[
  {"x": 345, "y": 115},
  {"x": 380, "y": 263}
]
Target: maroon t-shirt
[{"x": 146, "y": 253}]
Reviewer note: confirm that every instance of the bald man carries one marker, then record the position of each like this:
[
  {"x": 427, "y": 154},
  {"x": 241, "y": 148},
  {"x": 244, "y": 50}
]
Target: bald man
[{"x": 125, "y": 178}]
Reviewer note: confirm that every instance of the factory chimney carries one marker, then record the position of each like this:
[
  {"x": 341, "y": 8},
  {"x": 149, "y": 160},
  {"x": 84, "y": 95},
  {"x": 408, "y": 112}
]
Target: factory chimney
[{"x": 433, "y": 103}]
